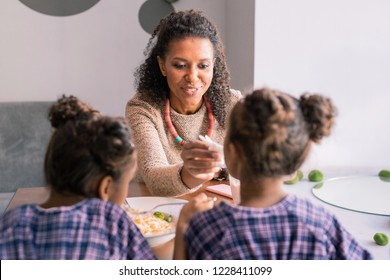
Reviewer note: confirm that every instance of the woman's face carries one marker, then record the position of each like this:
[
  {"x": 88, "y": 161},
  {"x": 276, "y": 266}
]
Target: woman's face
[{"x": 188, "y": 67}]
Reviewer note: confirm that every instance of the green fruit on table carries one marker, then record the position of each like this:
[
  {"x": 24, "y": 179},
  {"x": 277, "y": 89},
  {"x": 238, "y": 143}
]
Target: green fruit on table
[
  {"x": 300, "y": 174},
  {"x": 296, "y": 179},
  {"x": 381, "y": 239},
  {"x": 315, "y": 176},
  {"x": 384, "y": 175}
]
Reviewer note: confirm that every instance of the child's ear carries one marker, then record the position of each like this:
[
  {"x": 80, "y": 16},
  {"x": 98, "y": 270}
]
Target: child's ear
[
  {"x": 234, "y": 152},
  {"x": 104, "y": 188},
  {"x": 234, "y": 159}
]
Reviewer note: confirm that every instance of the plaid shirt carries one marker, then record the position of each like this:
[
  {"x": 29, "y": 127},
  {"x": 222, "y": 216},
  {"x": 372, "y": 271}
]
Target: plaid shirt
[
  {"x": 91, "y": 229},
  {"x": 292, "y": 229}
]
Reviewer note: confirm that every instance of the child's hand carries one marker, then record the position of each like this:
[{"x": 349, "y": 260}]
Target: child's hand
[{"x": 198, "y": 204}]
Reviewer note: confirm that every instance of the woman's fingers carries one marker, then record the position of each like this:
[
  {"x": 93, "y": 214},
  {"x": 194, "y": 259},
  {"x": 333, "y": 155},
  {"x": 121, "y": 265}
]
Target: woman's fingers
[
  {"x": 199, "y": 153},
  {"x": 206, "y": 173},
  {"x": 200, "y": 162},
  {"x": 200, "y": 156},
  {"x": 196, "y": 144},
  {"x": 199, "y": 149}
]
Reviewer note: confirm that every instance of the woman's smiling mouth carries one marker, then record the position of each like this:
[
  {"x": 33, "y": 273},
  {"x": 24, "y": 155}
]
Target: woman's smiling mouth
[{"x": 191, "y": 90}]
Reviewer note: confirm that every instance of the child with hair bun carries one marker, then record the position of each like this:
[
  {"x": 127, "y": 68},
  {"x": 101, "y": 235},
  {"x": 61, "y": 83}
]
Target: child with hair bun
[
  {"x": 89, "y": 163},
  {"x": 269, "y": 137}
]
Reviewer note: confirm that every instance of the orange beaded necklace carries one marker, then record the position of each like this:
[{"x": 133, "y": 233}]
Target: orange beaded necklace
[{"x": 171, "y": 128}]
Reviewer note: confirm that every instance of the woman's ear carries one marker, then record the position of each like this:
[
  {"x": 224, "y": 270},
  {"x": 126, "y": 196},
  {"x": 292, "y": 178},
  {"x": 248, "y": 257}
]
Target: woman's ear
[
  {"x": 162, "y": 66},
  {"x": 104, "y": 188}
]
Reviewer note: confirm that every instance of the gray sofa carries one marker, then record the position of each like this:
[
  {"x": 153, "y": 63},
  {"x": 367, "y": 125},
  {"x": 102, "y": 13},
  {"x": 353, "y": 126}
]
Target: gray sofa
[{"x": 24, "y": 135}]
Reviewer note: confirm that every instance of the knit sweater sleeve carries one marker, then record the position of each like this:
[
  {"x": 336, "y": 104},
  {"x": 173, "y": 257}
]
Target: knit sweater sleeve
[{"x": 161, "y": 177}]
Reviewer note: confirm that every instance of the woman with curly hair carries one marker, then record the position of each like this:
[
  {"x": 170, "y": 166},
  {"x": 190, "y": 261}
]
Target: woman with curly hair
[
  {"x": 269, "y": 137},
  {"x": 183, "y": 91}
]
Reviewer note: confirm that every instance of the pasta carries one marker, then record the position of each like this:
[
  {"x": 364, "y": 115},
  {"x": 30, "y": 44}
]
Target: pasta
[{"x": 148, "y": 224}]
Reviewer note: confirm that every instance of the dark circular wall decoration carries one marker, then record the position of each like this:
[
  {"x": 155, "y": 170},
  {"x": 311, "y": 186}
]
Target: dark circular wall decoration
[
  {"x": 59, "y": 7},
  {"x": 152, "y": 11}
]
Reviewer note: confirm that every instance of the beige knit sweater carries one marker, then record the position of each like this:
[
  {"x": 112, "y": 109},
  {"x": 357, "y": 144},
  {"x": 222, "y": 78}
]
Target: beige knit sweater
[{"x": 159, "y": 161}]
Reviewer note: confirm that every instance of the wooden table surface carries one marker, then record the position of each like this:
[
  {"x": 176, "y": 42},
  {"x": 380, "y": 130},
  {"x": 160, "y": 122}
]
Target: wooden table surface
[{"x": 39, "y": 195}]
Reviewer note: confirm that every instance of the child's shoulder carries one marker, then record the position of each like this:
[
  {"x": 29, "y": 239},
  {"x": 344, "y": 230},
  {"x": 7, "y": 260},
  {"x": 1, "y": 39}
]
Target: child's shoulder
[
  {"x": 89, "y": 207},
  {"x": 305, "y": 204},
  {"x": 221, "y": 213},
  {"x": 98, "y": 206},
  {"x": 308, "y": 211},
  {"x": 18, "y": 215},
  {"x": 25, "y": 210}
]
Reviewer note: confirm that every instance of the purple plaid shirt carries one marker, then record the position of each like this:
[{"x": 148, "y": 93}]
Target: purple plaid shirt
[
  {"x": 91, "y": 229},
  {"x": 292, "y": 229}
]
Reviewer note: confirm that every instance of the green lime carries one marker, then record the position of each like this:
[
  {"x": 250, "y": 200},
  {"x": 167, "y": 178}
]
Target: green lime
[
  {"x": 315, "y": 176},
  {"x": 381, "y": 238},
  {"x": 300, "y": 174},
  {"x": 384, "y": 173},
  {"x": 296, "y": 179}
]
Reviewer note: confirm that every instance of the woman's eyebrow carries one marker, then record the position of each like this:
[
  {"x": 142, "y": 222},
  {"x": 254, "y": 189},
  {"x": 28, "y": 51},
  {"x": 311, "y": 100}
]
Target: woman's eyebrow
[{"x": 200, "y": 60}]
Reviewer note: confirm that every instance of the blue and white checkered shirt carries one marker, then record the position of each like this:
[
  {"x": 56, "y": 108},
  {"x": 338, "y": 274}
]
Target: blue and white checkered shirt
[
  {"x": 292, "y": 229},
  {"x": 91, "y": 229}
]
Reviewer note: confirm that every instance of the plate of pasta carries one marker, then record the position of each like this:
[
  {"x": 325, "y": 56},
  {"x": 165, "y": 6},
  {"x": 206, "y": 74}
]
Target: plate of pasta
[{"x": 157, "y": 224}]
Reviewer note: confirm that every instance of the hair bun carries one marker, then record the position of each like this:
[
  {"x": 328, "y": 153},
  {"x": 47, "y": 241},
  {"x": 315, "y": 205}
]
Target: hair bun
[
  {"x": 319, "y": 113},
  {"x": 271, "y": 109},
  {"x": 69, "y": 108}
]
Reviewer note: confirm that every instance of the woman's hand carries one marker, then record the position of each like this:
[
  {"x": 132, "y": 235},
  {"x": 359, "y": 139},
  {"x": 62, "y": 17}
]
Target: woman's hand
[{"x": 199, "y": 163}]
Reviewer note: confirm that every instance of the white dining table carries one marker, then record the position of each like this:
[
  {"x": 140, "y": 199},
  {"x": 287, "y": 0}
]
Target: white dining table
[{"x": 361, "y": 225}]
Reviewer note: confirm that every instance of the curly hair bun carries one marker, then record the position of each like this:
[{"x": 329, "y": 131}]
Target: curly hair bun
[
  {"x": 69, "y": 108},
  {"x": 319, "y": 113},
  {"x": 272, "y": 111},
  {"x": 274, "y": 130},
  {"x": 110, "y": 142},
  {"x": 272, "y": 105}
]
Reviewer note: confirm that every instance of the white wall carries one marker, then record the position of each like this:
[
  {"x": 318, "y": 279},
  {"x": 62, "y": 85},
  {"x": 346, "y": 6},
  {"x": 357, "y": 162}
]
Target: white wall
[
  {"x": 340, "y": 48},
  {"x": 92, "y": 55},
  {"x": 336, "y": 47},
  {"x": 214, "y": 9},
  {"x": 240, "y": 37}
]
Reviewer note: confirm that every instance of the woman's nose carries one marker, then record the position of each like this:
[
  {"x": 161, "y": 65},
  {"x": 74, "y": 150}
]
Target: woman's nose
[{"x": 192, "y": 75}]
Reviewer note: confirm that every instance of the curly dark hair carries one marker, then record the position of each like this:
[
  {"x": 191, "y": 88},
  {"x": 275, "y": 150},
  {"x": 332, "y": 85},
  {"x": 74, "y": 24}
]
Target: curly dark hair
[
  {"x": 274, "y": 130},
  {"x": 69, "y": 108},
  {"x": 84, "y": 148},
  {"x": 152, "y": 85}
]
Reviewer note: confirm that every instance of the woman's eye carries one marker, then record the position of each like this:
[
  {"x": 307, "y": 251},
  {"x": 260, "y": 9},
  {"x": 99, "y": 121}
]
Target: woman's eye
[
  {"x": 179, "y": 66},
  {"x": 203, "y": 66}
]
